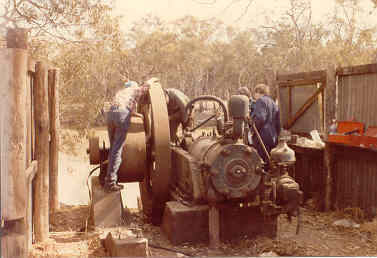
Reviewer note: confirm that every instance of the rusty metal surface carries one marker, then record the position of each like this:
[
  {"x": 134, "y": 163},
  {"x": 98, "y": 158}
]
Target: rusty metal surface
[
  {"x": 160, "y": 143},
  {"x": 308, "y": 171},
  {"x": 357, "y": 96},
  {"x": 187, "y": 176},
  {"x": 134, "y": 157},
  {"x": 310, "y": 120},
  {"x": 355, "y": 178}
]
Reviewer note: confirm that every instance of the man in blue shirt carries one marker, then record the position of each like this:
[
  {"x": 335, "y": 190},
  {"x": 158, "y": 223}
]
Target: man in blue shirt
[{"x": 266, "y": 116}]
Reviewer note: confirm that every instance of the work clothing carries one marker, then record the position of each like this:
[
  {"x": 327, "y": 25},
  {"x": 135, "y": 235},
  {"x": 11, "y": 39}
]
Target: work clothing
[
  {"x": 118, "y": 122},
  {"x": 266, "y": 117},
  {"x": 177, "y": 102}
]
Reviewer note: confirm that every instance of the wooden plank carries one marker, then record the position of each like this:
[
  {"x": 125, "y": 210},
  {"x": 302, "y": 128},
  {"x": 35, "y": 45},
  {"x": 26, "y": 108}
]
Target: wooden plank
[
  {"x": 301, "y": 83},
  {"x": 303, "y": 108},
  {"x": 41, "y": 198},
  {"x": 357, "y": 70},
  {"x": 53, "y": 101},
  {"x": 314, "y": 75}
]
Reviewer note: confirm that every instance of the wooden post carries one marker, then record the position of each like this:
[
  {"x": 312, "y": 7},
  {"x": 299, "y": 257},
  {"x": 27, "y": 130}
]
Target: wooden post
[
  {"x": 214, "y": 227},
  {"x": 53, "y": 97},
  {"x": 330, "y": 98},
  {"x": 330, "y": 109},
  {"x": 13, "y": 63},
  {"x": 327, "y": 164},
  {"x": 41, "y": 198}
]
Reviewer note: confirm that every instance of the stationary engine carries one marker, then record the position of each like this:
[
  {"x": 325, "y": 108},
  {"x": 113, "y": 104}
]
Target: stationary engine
[{"x": 204, "y": 165}]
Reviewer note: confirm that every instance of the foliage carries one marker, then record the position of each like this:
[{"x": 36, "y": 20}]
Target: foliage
[
  {"x": 196, "y": 56},
  {"x": 54, "y": 19}
]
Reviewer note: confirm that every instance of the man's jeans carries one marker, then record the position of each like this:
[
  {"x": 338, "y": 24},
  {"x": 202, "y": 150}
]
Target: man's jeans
[{"x": 118, "y": 122}]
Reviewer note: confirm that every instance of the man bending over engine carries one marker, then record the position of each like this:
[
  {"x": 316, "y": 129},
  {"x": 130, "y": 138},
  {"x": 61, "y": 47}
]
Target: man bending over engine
[
  {"x": 118, "y": 121},
  {"x": 176, "y": 102}
]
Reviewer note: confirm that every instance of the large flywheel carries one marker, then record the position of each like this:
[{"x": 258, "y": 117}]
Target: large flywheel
[
  {"x": 154, "y": 190},
  {"x": 159, "y": 144}
]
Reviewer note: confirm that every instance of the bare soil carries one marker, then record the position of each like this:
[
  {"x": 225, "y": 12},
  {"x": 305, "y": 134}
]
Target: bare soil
[{"x": 318, "y": 236}]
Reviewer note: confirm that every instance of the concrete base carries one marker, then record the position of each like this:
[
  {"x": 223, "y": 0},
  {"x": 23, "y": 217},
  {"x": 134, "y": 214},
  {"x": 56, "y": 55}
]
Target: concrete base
[
  {"x": 106, "y": 208},
  {"x": 190, "y": 224},
  {"x": 185, "y": 224},
  {"x": 129, "y": 247}
]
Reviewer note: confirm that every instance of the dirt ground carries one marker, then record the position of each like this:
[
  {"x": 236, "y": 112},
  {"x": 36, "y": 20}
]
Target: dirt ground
[{"x": 318, "y": 236}]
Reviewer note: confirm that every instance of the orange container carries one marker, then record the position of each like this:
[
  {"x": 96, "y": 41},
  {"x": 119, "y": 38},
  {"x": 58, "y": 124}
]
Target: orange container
[
  {"x": 348, "y": 126},
  {"x": 371, "y": 131}
]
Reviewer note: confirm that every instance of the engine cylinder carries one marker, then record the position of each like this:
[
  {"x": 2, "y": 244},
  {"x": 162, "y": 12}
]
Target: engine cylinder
[
  {"x": 234, "y": 168},
  {"x": 238, "y": 110}
]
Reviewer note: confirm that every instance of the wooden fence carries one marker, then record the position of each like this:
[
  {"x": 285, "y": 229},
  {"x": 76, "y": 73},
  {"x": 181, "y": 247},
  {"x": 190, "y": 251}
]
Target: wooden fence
[
  {"x": 28, "y": 172},
  {"x": 344, "y": 176}
]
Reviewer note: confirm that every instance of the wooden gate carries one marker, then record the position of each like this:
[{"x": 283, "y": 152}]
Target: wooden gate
[{"x": 301, "y": 101}]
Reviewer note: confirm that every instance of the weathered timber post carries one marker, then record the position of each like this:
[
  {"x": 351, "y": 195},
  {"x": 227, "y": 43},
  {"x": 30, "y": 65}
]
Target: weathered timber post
[
  {"x": 53, "y": 101},
  {"x": 330, "y": 112},
  {"x": 214, "y": 227},
  {"x": 41, "y": 193},
  {"x": 13, "y": 63}
]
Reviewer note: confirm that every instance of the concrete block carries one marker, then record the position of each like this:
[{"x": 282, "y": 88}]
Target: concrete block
[
  {"x": 106, "y": 208},
  {"x": 128, "y": 247},
  {"x": 191, "y": 223},
  {"x": 182, "y": 223}
]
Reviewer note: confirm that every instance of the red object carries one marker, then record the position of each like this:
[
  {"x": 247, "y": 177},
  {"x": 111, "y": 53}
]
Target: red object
[
  {"x": 367, "y": 140},
  {"x": 348, "y": 126},
  {"x": 371, "y": 131}
]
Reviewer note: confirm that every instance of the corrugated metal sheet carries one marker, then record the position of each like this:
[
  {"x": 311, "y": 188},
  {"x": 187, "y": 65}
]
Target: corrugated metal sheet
[
  {"x": 309, "y": 171},
  {"x": 311, "y": 119},
  {"x": 355, "y": 178},
  {"x": 357, "y": 96}
]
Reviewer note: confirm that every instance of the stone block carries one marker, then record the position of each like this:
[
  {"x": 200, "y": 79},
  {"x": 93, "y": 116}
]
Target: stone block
[
  {"x": 128, "y": 247},
  {"x": 106, "y": 208}
]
